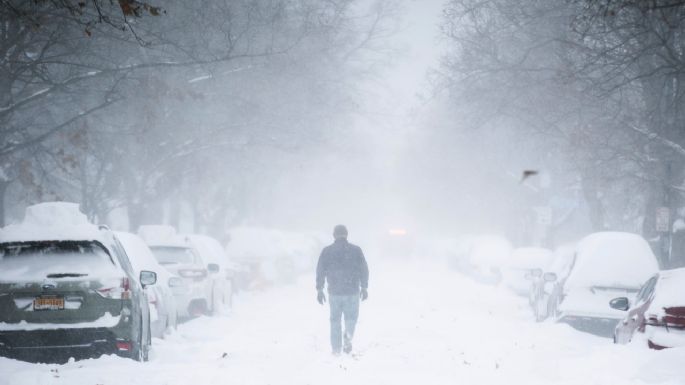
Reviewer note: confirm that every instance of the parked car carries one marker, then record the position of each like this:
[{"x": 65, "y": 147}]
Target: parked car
[
  {"x": 547, "y": 286},
  {"x": 66, "y": 286},
  {"x": 657, "y": 314},
  {"x": 163, "y": 313},
  {"x": 487, "y": 254},
  {"x": 272, "y": 257},
  {"x": 607, "y": 265},
  {"x": 211, "y": 251},
  {"x": 521, "y": 267},
  {"x": 179, "y": 257}
]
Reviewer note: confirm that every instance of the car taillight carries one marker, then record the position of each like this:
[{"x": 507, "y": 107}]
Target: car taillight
[
  {"x": 193, "y": 273},
  {"x": 121, "y": 291},
  {"x": 123, "y": 345}
]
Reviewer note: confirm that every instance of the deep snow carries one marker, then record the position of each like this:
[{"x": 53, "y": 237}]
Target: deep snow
[{"x": 423, "y": 324}]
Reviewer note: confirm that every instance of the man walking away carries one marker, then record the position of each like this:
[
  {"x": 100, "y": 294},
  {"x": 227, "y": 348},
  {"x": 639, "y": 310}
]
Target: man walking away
[{"x": 344, "y": 267}]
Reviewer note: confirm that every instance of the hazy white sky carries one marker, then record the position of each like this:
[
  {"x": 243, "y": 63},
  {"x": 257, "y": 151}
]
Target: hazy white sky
[{"x": 390, "y": 98}]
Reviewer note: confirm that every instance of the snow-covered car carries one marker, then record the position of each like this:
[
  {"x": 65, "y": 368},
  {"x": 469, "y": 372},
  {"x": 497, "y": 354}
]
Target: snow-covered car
[
  {"x": 273, "y": 256},
  {"x": 522, "y": 266},
  {"x": 547, "y": 287},
  {"x": 457, "y": 252},
  {"x": 607, "y": 265},
  {"x": 657, "y": 314},
  {"x": 179, "y": 257},
  {"x": 67, "y": 286},
  {"x": 486, "y": 257},
  {"x": 211, "y": 251},
  {"x": 163, "y": 313}
]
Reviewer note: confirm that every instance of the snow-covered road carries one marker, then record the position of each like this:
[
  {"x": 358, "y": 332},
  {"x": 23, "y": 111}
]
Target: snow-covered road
[{"x": 423, "y": 324}]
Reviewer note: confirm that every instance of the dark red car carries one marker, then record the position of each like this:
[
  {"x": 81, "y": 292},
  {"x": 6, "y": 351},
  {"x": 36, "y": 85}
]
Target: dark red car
[{"x": 657, "y": 314}]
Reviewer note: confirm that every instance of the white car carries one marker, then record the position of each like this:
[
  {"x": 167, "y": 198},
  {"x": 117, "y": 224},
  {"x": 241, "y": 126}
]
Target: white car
[
  {"x": 547, "y": 286},
  {"x": 486, "y": 256},
  {"x": 656, "y": 316},
  {"x": 523, "y": 264},
  {"x": 163, "y": 313},
  {"x": 273, "y": 256},
  {"x": 211, "y": 251},
  {"x": 607, "y": 265},
  {"x": 177, "y": 254}
]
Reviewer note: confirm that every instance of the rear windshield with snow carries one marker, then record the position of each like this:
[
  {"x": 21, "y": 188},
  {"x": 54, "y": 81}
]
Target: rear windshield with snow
[
  {"x": 170, "y": 255},
  {"x": 22, "y": 262},
  {"x": 669, "y": 290}
]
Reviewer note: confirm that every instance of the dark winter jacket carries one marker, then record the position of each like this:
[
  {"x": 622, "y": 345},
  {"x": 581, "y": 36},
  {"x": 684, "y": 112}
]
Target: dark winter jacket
[{"x": 343, "y": 265}]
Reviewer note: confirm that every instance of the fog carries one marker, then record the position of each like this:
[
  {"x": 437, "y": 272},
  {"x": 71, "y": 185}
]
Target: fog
[
  {"x": 510, "y": 173},
  {"x": 421, "y": 115}
]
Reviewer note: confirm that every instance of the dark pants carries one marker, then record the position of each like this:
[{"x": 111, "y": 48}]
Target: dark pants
[{"x": 347, "y": 305}]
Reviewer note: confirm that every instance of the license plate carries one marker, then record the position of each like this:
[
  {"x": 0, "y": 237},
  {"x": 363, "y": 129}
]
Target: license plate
[{"x": 48, "y": 303}]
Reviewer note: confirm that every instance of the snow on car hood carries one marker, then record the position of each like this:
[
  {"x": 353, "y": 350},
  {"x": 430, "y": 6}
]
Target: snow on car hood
[
  {"x": 612, "y": 259},
  {"x": 54, "y": 221}
]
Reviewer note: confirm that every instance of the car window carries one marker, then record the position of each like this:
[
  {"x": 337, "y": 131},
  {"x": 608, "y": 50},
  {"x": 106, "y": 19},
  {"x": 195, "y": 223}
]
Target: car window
[
  {"x": 645, "y": 291},
  {"x": 650, "y": 288},
  {"x": 64, "y": 259},
  {"x": 123, "y": 257}
]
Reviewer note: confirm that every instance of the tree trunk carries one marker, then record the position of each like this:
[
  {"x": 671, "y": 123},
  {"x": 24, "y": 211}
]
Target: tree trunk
[
  {"x": 4, "y": 184},
  {"x": 591, "y": 194}
]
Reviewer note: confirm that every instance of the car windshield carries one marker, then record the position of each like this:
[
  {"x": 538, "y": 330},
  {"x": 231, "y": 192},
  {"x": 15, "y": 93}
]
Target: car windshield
[
  {"x": 170, "y": 255},
  {"x": 41, "y": 260}
]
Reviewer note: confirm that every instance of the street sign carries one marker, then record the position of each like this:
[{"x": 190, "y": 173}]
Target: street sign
[{"x": 663, "y": 219}]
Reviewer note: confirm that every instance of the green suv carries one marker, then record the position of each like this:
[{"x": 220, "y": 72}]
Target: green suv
[{"x": 74, "y": 294}]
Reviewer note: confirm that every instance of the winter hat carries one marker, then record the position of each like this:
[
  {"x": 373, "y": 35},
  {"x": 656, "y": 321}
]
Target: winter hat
[{"x": 340, "y": 231}]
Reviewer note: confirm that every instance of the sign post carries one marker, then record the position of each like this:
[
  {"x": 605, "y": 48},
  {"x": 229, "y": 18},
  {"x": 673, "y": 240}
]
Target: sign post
[{"x": 663, "y": 219}]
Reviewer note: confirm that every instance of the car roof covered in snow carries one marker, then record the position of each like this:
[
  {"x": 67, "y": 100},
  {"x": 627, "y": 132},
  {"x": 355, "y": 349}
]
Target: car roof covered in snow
[
  {"x": 52, "y": 221},
  {"x": 563, "y": 259},
  {"x": 162, "y": 235},
  {"x": 140, "y": 255},
  {"x": 612, "y": 259},
  {"x": 529, "y": 258},
  {"x": 209, "y": 248},
  {"x": 669, "y": 291}
]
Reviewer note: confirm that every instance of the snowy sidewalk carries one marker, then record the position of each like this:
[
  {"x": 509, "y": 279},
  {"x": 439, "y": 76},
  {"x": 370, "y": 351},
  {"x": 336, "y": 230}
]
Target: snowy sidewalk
[{"x": 423, "y": 324}]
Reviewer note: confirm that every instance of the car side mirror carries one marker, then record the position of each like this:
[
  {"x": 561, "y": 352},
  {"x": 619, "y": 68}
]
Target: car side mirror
[
  {"x": 620, "y": 303},
  {"x": 213, "y": 268},
  {"x": 148, "y": 278},
  {"x": 175, "y": 282},
  {"x": 549, "y": 277}
]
